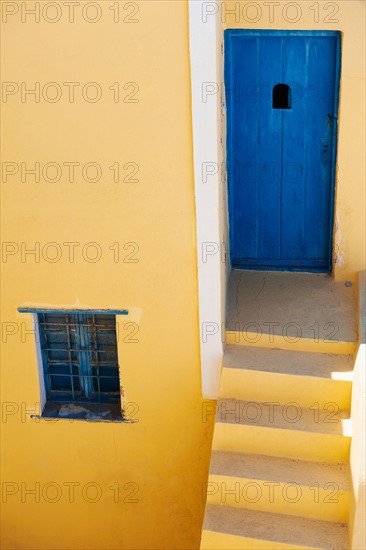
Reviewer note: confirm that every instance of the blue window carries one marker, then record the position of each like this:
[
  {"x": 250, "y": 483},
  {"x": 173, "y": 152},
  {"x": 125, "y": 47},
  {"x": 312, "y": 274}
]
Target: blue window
[{"x": 79, "y": 356}]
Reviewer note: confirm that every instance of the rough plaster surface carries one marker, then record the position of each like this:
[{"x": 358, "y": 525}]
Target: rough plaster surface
[
  {"x": 279, "y": 469},
  {"x": 287, "y": 417},
  {"x": 292, "y": 304},
  {"x": 276, "y": 527},
  {"x": 320, "y": 365}
]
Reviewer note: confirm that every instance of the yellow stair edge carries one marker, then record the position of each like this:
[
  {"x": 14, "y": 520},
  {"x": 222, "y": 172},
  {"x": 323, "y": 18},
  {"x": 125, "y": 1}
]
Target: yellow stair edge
[
  {"x": 279, "y": 342},
  {"x": 213, "y": 540},
  {"x": 327, "y": 503},
  {"x": 285, "y": 388},
  {"x": 320, "y": 447},
  {"x": 227, "y": 527}
]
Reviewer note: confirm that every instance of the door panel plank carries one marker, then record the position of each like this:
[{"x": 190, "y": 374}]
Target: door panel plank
[
  {"x": 294, "y": 144},
  {"x": 269, "y": 146}
]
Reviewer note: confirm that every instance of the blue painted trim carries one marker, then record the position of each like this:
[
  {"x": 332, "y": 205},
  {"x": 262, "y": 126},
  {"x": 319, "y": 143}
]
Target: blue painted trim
[
  {"x": 305, "y": 269},
  {"x": 43, "y": 346},
  {"x": 227, "y": 66},
  {"x": 74, "y": 311},
  {"x": 269, "y": 32},
  {"x": 289, "y": 263},
  {"x": 335, "y": 143}
]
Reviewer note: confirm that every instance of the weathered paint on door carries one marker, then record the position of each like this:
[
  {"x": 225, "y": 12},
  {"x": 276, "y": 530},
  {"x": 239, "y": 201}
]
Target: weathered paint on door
[{"x": 281, "y": 147}]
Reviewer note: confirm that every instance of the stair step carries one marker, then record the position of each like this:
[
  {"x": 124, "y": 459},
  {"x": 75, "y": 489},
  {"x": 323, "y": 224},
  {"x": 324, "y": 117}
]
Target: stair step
[
  {"x": 303, "y": 472},
  {"x": 320, "y": 365},
  {"x": 263, "y": 340},
  {"x": 294, "y": 311},
  {"x": 238, "y": 528},
  {"x": 290, "y": 416},
  {"x": 285, "y": 376},
  {"x": 282, "y": 485},
  {"x": 282, "y": 430}
]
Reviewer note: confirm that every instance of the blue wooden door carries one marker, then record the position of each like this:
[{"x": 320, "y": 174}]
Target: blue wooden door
[{"x": 281, "y": 92}]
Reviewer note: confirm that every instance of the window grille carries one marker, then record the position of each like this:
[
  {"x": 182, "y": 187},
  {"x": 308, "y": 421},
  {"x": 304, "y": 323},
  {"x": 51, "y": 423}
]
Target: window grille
[{"x": 79, "y": 355}]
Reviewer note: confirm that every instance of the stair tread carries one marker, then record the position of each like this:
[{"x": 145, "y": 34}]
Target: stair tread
[
  {"x": 278, "y": 416},
  {"x": 297, "y": 363},
  {"x": 279, "y": 528},
  {"x": 279, "y": 469},
  {"x": 307, "y": 301}
]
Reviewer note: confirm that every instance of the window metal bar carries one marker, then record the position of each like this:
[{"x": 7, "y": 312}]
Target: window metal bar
[
  {"x": 95, "y": 337},
  {"x": 70, "y": 362},
  {"x": 79, "y": 349},
  {"x": 59, "y": 375},
  {"x": 73, "y": 326},
  {"x": 84, "y": 357}
]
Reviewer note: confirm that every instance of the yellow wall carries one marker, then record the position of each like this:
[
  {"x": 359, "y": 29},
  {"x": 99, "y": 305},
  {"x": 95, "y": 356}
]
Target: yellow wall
[
  {"x": 166, "y": 453},
  {"x": 347, "y": 16}
]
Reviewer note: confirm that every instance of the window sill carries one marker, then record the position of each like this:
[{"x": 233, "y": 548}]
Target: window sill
[{"x": 92, "y": 412}]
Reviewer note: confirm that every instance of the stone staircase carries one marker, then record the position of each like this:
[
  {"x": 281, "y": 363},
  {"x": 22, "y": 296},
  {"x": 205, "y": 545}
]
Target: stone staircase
[{"x": 279, "y": 474}]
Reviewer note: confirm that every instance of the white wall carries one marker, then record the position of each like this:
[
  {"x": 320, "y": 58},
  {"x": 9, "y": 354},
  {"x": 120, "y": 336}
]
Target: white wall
[
  {"x": 210, "y": 187},
  {"x": 358, "y": 417}
]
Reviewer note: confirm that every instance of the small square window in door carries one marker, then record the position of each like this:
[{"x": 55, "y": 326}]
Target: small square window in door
[{"x": 281, "y": 97}]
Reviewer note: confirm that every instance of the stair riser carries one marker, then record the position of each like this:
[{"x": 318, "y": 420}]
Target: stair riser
[
  {"x": 280, "y": 442},
  {"x": 325, "y": 501},
  {"x": 212, "y": 540},
  {"x": 252, "y": 385},
  {"x": 294, "y": 344}
]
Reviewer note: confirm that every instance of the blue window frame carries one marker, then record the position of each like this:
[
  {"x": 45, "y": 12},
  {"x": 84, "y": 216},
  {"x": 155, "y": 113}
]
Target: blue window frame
[{"x": 79, "y": 356}]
